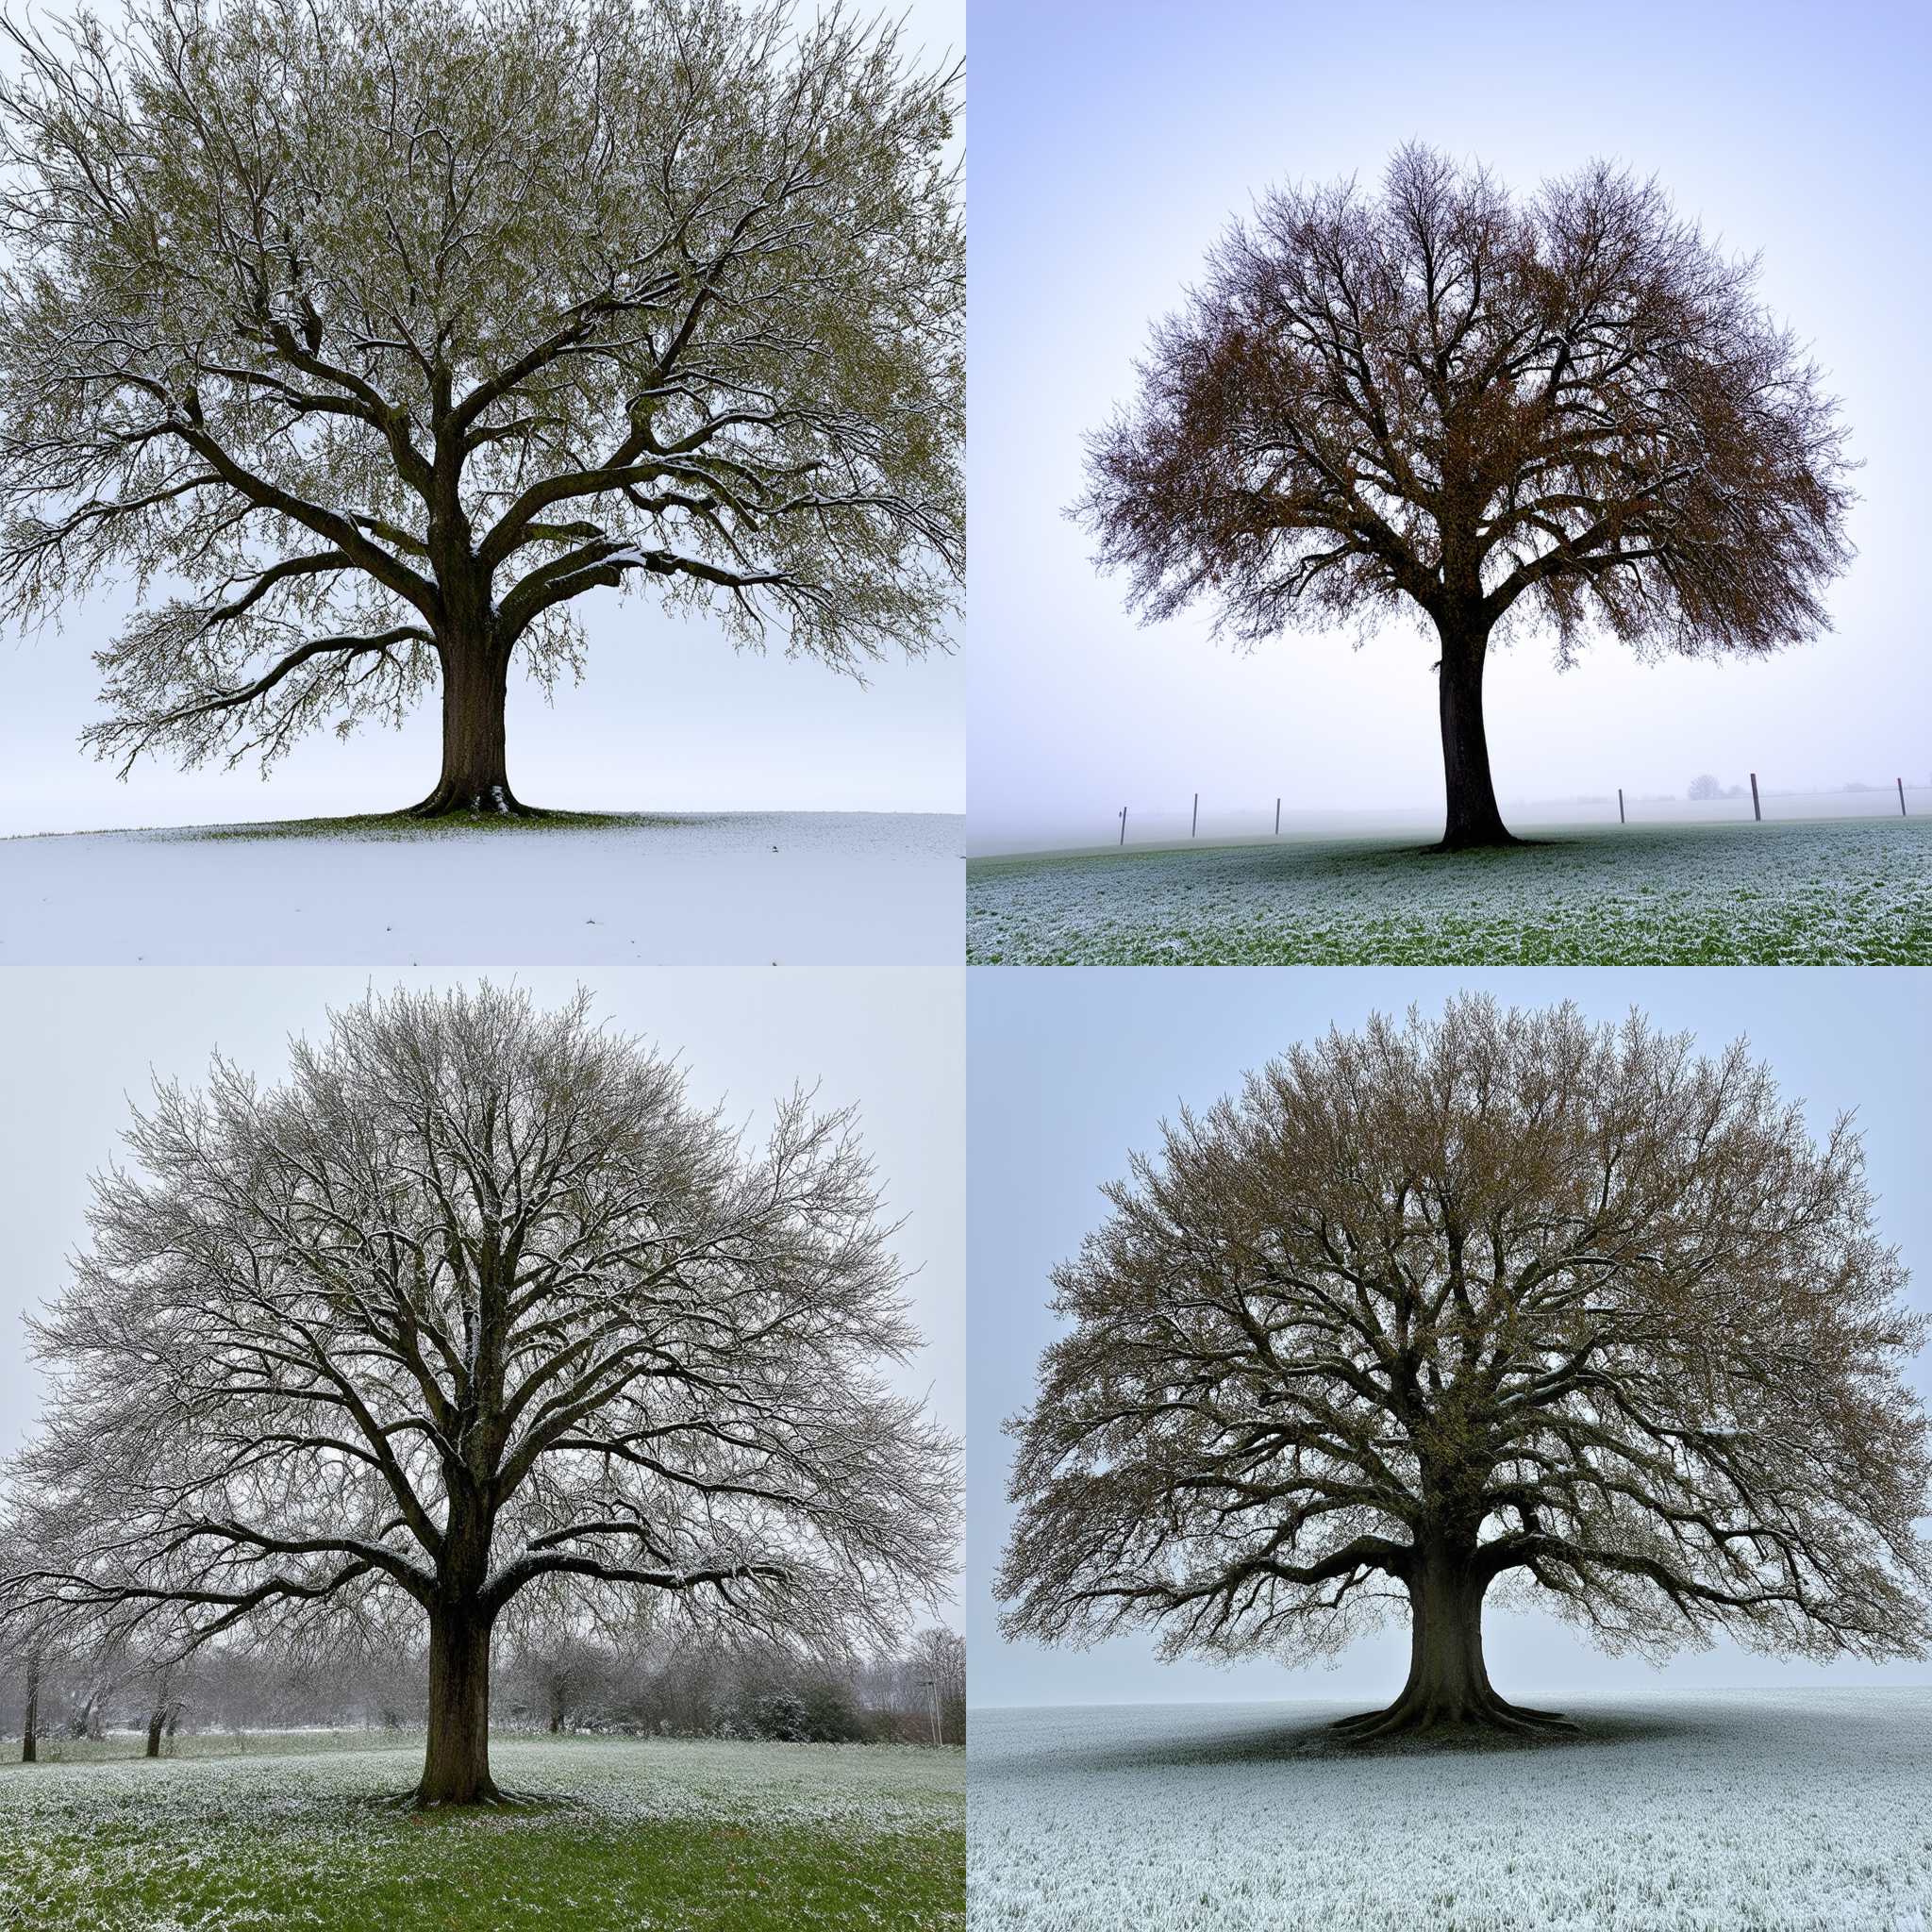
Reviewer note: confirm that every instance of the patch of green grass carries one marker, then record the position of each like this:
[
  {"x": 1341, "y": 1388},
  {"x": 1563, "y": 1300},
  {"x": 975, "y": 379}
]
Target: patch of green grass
[
  {"x": 650, "y": 1834},
  {"x": 400, "y": 825}
]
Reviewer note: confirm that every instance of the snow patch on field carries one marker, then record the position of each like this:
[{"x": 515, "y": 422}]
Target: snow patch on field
[
  {"x": 724, "y": 888},
  {"x": 1785, "y": 1811},
  {"x": 1803, "y": 893}
]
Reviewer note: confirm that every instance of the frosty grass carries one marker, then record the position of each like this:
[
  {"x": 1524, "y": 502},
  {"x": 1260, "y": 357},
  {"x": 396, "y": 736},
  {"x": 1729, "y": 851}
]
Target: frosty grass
[
  {"x": 296, "y": 1835},
  {"x": 1809, "y": 892},
  {"x": 1736, "y": 1811}
]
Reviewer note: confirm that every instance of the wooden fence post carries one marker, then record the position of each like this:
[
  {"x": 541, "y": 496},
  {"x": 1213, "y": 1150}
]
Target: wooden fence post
[
  {"x": 1123, "y": 825},
  {"x": 1757, "y": 809},
  {"x": 1620, "y": 819},
  {"x": 1195, "y": 826},
  {"x": 1277, "y": 818},
  {"x": 1902, "y": 812}
]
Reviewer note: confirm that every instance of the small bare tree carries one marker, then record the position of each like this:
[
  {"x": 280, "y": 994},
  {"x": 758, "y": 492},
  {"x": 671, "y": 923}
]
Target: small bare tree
[
  {"x": 1497, "y": 1299},
  {"x": 392, "y": 327},
  {"x": 937, "y": 1659},
  {"x": 1445, "y": 402},
  {"x": 478, "y": 1302}
]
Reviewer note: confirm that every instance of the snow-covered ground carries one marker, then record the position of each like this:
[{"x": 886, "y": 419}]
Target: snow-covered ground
[
  {"x": 1817, "y": 893},
  {"x": 725, "y": 888},
  {"x": 1734, "y": 1811}
]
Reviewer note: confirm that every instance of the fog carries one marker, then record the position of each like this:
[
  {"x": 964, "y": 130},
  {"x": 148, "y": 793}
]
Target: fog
[
  {"x": 1074, "y": 1067},
  {"x": 1112, "y": 145},
  {"x": 669, "y": 716}
]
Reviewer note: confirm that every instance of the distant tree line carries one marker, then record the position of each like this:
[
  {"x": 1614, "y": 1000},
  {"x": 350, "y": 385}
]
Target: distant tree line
[{"x": 580, "y": 1683}]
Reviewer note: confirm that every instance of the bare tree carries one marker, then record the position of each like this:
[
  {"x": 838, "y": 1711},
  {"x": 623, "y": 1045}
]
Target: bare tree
[
  {"x": 392, "y": 327},
  {"x": 1443, "y": 402},
  {"x": 475, "y": 1302},
  {"x": 1499, "y": 1298},
  {"x": 1705, "y": 787},
  {"x": 166, "y": 1701},
  {"x": 32, "y": 1654},
  {"x": 938, "y": 1663}
]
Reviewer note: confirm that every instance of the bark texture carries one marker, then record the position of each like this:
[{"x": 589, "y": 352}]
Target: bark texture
[
  {"x": 1471, "y": 819},
  {"x": 1448, "y": 1688},
  {"x": 456, "y": 1764},
  {"x": 30, "y": 1723},
  {"x": 474, "y": 779}
]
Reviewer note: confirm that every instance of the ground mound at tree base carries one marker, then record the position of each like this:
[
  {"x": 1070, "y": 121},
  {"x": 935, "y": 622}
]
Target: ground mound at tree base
[
  {"x": 708, "y": 1836},
  {"x": 1780, "y": 1812}
]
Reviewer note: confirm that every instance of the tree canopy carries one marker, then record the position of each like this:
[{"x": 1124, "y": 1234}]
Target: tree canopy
[
  {"x": 477, "y": 1302},
  {"x": 368, "y": 337},
  {"x": 1496, "y": 1299},
  {"x": 1571, "y": 411}
]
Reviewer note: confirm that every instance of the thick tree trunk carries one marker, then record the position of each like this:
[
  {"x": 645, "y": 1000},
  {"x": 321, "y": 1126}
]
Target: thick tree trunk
[
  {"x": 1472, "y": 819},
  {"x": 475, "y": 770},
  {"x": 30, "y": 1723},
  {"x": 1448, "y": 1688},
  {"x": 156, "y": 1719},
  {"x": 456, "y": 1764}
]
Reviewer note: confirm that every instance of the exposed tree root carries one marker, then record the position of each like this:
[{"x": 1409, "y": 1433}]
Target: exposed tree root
[
  {"x": 488, "y": 1797},
  {"x": 1420, "y": 1717},
  {"x": 451, "y": 800}
]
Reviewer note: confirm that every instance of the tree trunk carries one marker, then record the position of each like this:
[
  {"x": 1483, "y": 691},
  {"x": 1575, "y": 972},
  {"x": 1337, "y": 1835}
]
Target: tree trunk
[
  {"x": 30, "y": 1723},
  {"x": 156, "y": 1719},
  {"x": 475, "y": 773},
  {"x": 456, "y": 1764},
  {"x": 1472, "y": 819},
  {"x": 1448, "y": 1688}
]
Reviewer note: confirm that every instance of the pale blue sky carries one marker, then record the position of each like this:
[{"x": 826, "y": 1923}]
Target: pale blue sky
[
  {"x": 1110, "y": 147},
  {"x": 1072, "y": 1068}
]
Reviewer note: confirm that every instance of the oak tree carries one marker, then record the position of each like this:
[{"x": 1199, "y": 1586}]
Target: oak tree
[
  {"x": 369, "y": 336},
  {"x": 478, "y": 1303},
  {"x": 1490, "y": 413},
  {"x": 1499, "y": 1301}
]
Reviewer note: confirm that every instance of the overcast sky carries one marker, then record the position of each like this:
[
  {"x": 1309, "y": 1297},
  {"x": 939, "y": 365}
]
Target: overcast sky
[
  {"x": 1072, "y": 1068},
  {"x": 1112, "y": 146},
  {"x": 80, "y": 1046},
  {"x": 669, "y": 716}
]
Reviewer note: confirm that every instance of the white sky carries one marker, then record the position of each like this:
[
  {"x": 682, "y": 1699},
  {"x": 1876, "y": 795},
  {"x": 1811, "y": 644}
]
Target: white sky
[
  {"x": 669, "y": 717},
  {"x": 1111, "y": 144},
  {"x": 78, "y": 1045}
]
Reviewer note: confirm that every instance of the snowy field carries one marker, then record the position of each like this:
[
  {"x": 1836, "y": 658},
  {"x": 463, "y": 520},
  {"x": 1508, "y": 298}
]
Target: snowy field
[
  {"x": 727, "y": 889},
  {"x": 1817, "y": 892},
  {"x": 659, "y": 1833},
  {"x": 1784, "y": 1812}
]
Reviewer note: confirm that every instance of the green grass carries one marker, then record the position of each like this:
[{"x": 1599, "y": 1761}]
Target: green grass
[
  {"x": 610, "y": 1834},
  {"x": 1824, "y": 893}
]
